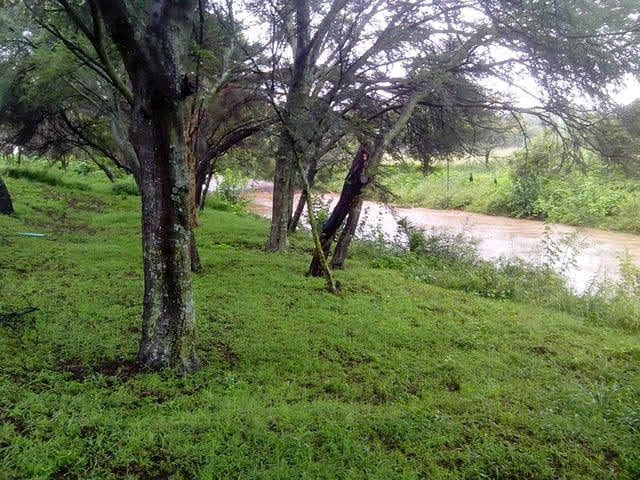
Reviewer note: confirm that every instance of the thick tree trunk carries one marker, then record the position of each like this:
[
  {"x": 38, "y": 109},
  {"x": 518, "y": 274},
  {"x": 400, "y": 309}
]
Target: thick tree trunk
[
  {"x": 283, "y": 190},
  {"x": 168, "y": 330},
  {"x": 347, "y": 234},
  {"x": 294, "y": 120},
  {"x": 6, "y": 205},
  {"x": 354, "y": 184}
]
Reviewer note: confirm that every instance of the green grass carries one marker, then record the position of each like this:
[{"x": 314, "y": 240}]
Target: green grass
[{"x": 394, "y": 378}]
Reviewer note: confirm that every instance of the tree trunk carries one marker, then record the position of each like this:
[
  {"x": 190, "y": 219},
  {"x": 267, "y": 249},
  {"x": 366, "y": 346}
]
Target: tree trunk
[
  {"x": 168, "y": 330},
  {"x": 194, "y": 221},
  {"x": 347, "y": 234},
  {"x": 426, "y": 166},
  {"x": 295, "y": 219},
  {"x": 6, "y": 205},
  {"x": 294, "y": 121},
  {"x": 283, "y": 190},
  {"x": 362, "y": 170},
  {"x": 354, "y": 184}
]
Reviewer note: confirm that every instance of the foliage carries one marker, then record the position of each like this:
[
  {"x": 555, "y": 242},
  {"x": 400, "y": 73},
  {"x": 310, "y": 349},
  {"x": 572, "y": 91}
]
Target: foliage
[
  {"x": 229, "y": 194},
  {"x": 231, "y": 186},
  {"x": 125, "y": 187}
]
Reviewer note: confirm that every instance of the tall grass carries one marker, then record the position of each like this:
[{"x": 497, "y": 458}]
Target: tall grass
[{"x": 451, "y": 260}]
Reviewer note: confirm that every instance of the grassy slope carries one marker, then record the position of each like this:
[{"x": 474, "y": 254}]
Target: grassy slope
[{"x": 393, "y": 379}]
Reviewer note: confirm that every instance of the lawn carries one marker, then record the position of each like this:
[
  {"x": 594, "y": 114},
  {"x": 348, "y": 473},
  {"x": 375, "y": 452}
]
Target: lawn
[{"x": 393, "y": 378}]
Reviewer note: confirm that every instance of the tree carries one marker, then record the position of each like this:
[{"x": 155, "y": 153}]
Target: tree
[
  {"x": 6, "y": 206},
  {"x": 337, "y": 47},
  {"x": 137, "y": 52},
  {"x": 616, "y": 137}
]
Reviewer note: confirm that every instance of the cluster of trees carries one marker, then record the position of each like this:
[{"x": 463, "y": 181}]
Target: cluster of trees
[{"x": 163, "y": 89}]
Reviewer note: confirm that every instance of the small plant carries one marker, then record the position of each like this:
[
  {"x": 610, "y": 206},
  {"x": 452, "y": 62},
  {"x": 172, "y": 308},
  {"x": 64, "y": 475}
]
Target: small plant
[
  {"x": 232, "y": 186},
  {"x": 321, "y": 208},
  {"x": 560, "y": 254}
]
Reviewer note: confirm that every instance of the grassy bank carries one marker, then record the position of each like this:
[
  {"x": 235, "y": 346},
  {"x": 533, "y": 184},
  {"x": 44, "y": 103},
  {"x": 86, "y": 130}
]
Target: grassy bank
[
  {"x": 597, "y": 197},
  {"x": 394, "y": 378}
]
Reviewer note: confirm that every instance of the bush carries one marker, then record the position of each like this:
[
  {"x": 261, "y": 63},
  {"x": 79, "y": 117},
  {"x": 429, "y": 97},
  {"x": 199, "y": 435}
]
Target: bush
[{"x": 231, "y": 187}]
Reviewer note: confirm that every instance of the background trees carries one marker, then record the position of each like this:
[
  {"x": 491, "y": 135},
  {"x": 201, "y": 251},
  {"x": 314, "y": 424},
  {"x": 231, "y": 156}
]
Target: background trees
[{"x": 326, "y": 76}]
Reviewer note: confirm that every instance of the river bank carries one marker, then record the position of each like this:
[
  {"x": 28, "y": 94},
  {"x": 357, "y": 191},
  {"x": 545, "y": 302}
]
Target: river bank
[{"x": 587, "y": 255}]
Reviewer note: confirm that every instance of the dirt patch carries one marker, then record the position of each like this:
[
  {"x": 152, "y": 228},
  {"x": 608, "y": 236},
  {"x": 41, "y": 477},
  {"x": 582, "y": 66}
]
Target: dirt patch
[
  {"x": 118, "y": 368},
  {"x": 58, "y": 222},
  {"x": 76, "y": 200},
  {"x": 229, "y": 356},
  {"x": 157, "y": 397},
  {"x": 541, "y": 350},
  {"x": 20, "y": 426},
  {"x": 453, "y": 386}
]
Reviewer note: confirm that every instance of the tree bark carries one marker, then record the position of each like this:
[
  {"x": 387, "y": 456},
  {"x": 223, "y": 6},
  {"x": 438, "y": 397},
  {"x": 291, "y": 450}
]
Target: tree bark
[
  {"x": 347, "y": 234},
  {"x": 168, "y": 328},
  {"x": 283, "y": 190},
  {"x": 6, "y": 205},
  {"x": 194, "y": 221},
  {"x": 426, "y": 166},
  {"x": 354, "y": 184},
  {"x": 295, "y": 219}
]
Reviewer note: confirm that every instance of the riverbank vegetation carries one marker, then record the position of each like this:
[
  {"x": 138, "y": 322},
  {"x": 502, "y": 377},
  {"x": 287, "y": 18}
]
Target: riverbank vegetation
[
  {"x": 394, "y": 377},
  {"x": 538, "y": 183}
]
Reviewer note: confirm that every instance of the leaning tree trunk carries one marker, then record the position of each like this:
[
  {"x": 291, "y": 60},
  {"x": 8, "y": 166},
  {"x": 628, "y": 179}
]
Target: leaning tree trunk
[
  {"x": 168, "y": 330},
  {"x": 354, "y": 184},
  {"x": 347, "y": 234},
  {"x": 6, "y": 206},
  {"x": 295, "y": 219}
]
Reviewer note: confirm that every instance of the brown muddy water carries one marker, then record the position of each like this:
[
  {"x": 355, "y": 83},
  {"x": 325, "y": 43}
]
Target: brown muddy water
[{"x": 596, "y": 253}]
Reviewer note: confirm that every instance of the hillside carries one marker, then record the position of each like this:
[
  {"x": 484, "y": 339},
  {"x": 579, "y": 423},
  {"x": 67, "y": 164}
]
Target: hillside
[{"x": 394, "y": 378}]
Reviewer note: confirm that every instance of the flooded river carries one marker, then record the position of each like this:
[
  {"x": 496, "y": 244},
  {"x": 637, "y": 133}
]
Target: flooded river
[{"x": 597, "y": 252}]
